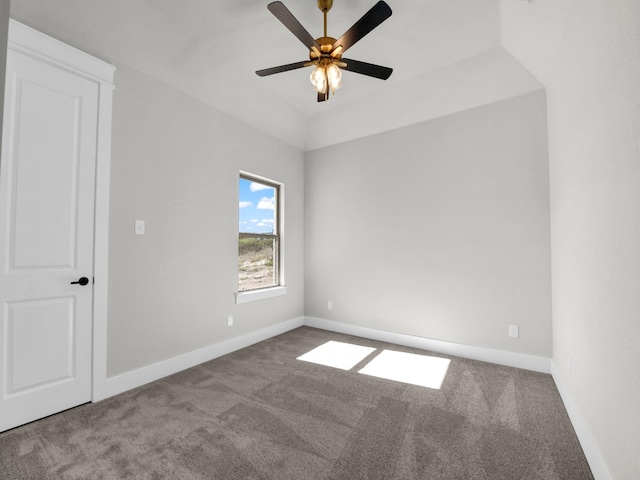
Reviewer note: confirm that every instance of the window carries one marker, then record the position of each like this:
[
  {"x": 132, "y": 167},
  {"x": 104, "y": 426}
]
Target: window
[{"x": 259, "y": 241}]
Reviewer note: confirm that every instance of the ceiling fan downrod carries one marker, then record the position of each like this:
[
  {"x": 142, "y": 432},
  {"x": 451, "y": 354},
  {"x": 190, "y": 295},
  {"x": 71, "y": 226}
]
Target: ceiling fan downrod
[{"x": 325, "y": 6}]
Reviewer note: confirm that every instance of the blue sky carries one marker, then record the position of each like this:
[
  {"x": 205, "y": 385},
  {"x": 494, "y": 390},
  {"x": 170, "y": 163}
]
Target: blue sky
[{"x": 256, "y": 208}]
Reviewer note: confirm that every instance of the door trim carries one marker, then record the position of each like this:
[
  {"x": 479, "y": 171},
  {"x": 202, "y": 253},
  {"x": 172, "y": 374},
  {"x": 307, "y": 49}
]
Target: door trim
[{"x": 27, "y": 41}]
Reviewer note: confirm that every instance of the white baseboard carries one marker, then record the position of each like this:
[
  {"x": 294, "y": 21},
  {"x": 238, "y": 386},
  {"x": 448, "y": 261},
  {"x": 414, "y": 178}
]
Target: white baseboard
[
  {"x": 510, "y": 359},
  {"x": 588, "y": 443},
  {"x": 141, "y": 376},
  {"x": 136, "y": 378}
]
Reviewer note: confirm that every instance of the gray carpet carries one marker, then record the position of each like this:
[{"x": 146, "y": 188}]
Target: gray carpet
[{"x": 261, "y": 414}]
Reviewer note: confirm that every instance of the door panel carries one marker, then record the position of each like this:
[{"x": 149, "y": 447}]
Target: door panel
[
  {"x": 39, "y": 344},
  {"x": 41, "y": 131},
  {"x": 47, "y": 183}
]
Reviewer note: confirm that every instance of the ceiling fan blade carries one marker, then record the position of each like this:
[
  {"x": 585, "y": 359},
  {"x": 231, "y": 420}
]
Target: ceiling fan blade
[
  {"x": 369, "y": 69},
  {"x": 281, "y": 68},
  {"x": 370, "y": 20},
  {"x": 283, "y": 14}
]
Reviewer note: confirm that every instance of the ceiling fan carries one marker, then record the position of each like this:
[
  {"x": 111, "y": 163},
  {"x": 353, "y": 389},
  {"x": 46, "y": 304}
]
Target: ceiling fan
[{"x": 325, "y": 53}]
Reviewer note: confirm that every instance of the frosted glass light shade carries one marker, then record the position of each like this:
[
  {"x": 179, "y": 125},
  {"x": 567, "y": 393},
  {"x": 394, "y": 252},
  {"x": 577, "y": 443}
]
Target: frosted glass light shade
[
  {"x": 334, "y": 75},
  {"x": 319, "y": 79},
  {"x": 322, "y": 77}
]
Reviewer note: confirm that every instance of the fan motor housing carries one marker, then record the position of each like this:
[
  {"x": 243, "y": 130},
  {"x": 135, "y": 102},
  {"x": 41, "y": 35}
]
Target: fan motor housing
[{"x": 326, "y": 44}]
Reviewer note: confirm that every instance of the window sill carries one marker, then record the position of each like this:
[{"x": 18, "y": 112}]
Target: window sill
[{"x": 253, "y": 295}]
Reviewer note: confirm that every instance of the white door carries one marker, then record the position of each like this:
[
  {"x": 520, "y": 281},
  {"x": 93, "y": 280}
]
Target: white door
[{"x": 47, "y": 185}]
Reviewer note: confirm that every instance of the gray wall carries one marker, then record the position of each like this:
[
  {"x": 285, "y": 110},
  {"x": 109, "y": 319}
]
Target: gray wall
[
  {"x": 594, "y": 132},
  {"x": 175, "y": 164},
  {"x": 440, "y": 229}
]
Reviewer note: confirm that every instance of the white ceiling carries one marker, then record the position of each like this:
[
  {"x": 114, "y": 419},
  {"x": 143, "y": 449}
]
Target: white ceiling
[{"x": 446, "y": 55}]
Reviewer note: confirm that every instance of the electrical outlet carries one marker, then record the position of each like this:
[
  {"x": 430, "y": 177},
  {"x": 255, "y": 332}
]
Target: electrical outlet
[
  {"x": 329, "y": 305},
  {"x": 230, "y": 321},
  {"x": 513, "y": 331}
]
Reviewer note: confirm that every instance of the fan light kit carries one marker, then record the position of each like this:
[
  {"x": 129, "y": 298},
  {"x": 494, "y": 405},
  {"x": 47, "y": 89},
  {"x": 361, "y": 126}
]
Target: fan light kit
[{"x": 325, "y": 53}]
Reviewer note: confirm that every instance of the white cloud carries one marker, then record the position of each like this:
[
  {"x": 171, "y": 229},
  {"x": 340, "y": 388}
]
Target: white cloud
[
  {"x": 266, "y": 203},
  {"x": 255, "y": 220},
  {"x": 246, "y": 204},
  {"x": 254, "y": 187}
]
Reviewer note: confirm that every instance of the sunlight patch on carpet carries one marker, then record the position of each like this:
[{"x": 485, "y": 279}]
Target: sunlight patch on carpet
[
  {"x": 340, "y": 355},
  {"x": 421, "y": 370}
]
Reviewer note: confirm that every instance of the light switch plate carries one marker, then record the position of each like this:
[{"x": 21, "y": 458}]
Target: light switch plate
[
  {"x": 513, "y": 331},
  {"x": 139, "y": 227}
]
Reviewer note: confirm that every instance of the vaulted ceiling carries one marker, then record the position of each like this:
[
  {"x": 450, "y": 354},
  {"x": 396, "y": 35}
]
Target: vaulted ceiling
[{"x": 447, "y": 56}]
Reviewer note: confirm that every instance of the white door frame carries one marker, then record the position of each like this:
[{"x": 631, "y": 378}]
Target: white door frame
[{"x": 30, "y": 42}]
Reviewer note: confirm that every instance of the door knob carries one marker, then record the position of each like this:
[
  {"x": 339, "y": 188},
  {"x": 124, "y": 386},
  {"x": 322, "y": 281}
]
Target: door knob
[{"x": 82, "y": 281}]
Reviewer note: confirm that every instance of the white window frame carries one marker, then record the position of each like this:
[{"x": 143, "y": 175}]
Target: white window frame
[{"x": 245, "y": 296}]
